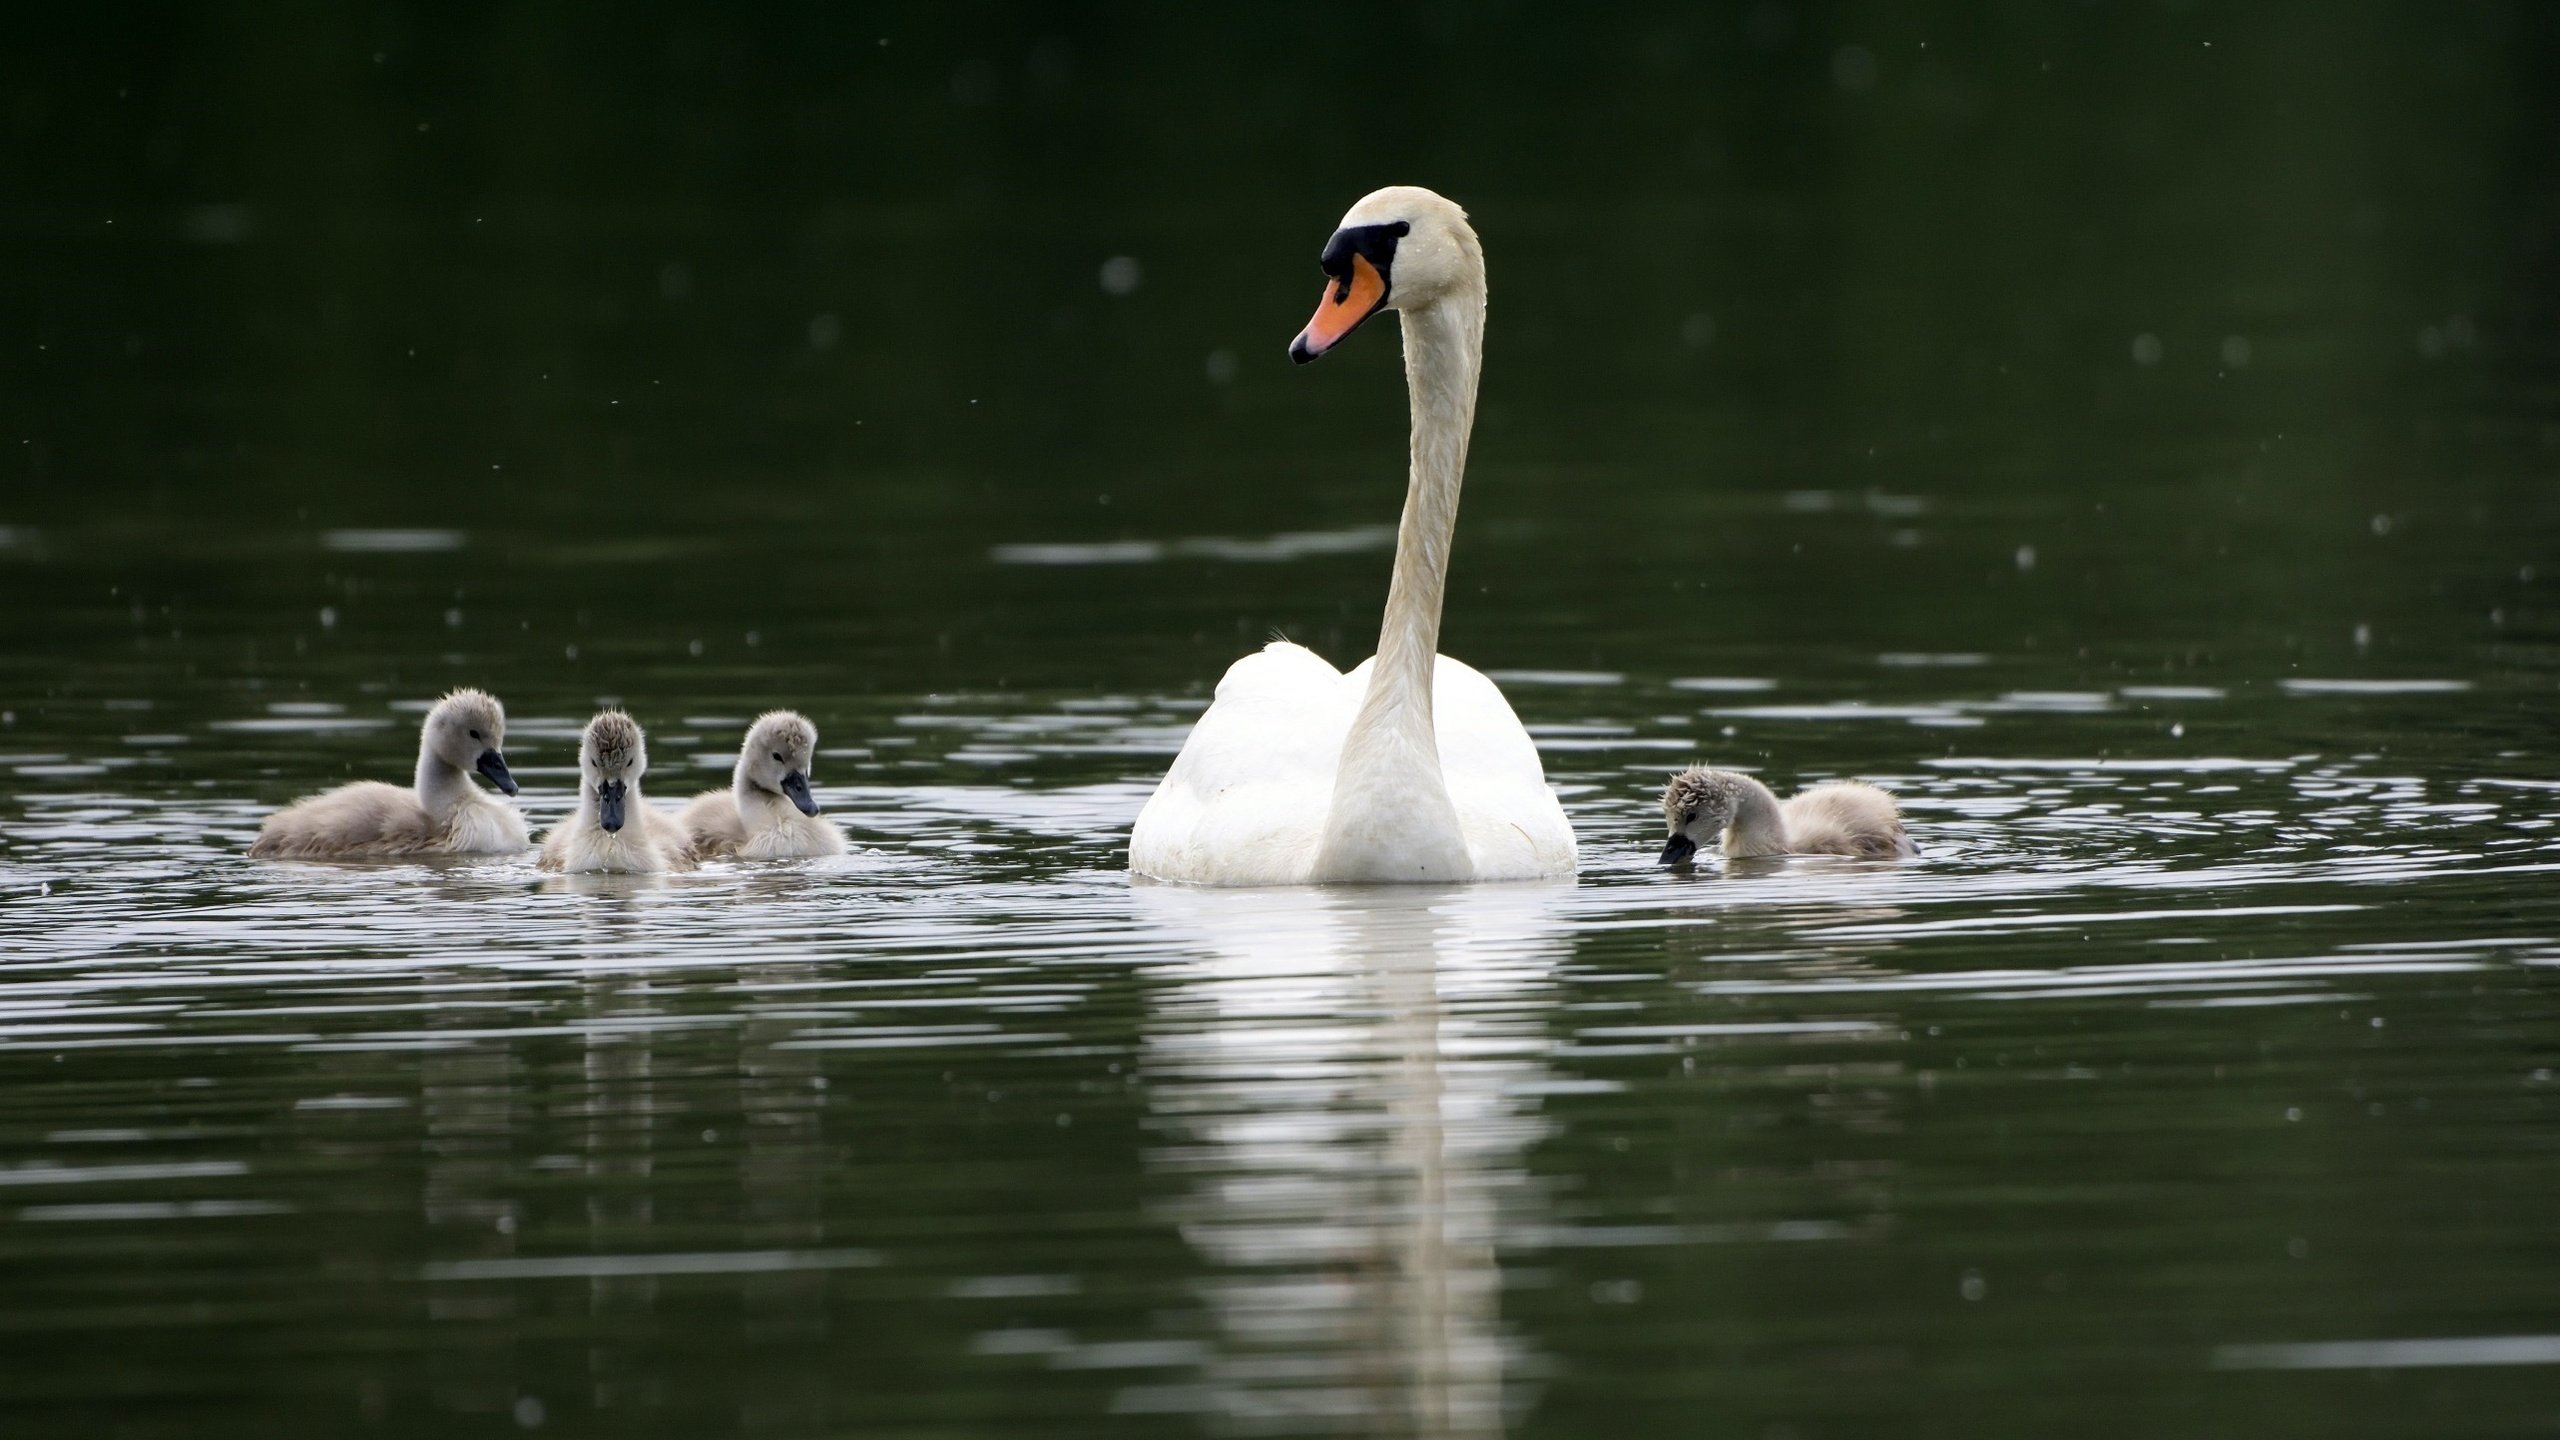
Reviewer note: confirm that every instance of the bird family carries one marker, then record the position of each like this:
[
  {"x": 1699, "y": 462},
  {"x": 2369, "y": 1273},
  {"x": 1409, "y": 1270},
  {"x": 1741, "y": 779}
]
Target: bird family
[
  {"x": 1411, "y": 767},
  {"x": 767, "y": 813}
]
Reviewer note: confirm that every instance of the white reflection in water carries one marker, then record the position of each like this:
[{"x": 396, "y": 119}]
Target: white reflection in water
[
  {"x": 1346, "y": 1082},
  {"x": 390, "y": 542}
]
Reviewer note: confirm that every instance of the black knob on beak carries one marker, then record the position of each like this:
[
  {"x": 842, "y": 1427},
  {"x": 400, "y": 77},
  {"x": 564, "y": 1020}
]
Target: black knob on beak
[{"x": 796, "y": 786}]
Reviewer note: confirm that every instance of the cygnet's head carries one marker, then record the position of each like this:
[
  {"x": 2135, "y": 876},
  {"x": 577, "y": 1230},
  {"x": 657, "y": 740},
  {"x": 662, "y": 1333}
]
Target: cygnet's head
[
  {"x": 1401, "y": 248},
  {"x": 468, "y": 731},
  {"x": 1697, "y": 806},
  {"x": 612, "y": 756},
  {"x": 776, "y": 758}
]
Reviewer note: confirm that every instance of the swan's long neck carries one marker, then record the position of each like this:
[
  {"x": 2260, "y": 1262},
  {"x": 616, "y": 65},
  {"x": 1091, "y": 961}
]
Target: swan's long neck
[
  {"x": 442, "y": 789},
  {"x": 1759, "y": 825},
  {"x": 1392, "y": 818},
  {"x": 1443, "y": 351}
]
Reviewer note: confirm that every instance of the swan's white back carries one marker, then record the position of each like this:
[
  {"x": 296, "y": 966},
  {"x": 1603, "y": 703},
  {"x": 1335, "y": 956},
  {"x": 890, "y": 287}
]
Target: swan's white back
[{"x": 1247, "y": 799}]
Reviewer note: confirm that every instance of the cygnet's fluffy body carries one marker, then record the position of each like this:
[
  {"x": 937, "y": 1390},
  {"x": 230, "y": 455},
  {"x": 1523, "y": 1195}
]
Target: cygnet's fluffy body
[
  {"x": 615, "y": 828},
  {"x": 442, "y": 813},
  {"x": 767, "y": 813},
  {"x": 1837, "y": 817}
]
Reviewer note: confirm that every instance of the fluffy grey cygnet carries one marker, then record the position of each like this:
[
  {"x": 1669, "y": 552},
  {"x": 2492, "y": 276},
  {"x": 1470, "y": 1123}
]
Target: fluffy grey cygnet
[
  {"x": 1704, "y": 807},
  {"x": 441, "y": 813},
  {"x": 615, "y": 828},
  {"x": 767, "y": 813}
]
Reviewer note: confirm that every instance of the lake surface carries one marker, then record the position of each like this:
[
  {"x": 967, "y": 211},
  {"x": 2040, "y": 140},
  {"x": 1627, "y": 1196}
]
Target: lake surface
[{"x": 2149, "y": 474}]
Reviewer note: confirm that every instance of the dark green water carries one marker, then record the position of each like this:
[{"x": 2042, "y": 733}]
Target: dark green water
[{"x": 2128, "y": 431}]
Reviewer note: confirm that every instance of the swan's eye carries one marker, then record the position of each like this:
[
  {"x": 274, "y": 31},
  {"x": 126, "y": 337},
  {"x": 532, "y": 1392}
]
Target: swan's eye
[
  {"x": 777, "y": 757},
  {"x": 475, "y": 734},
  {"x": 1689, "y": 816},
  {"x": 1373, "y": 243},
  {"x": 1376, "y": 242}
]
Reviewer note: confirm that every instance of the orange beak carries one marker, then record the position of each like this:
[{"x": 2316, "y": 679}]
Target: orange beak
[{"x": 1345, "y": 304}]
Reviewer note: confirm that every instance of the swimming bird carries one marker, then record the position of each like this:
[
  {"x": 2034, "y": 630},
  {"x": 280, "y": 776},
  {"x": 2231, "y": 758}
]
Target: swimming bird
[
  {"x": 615, "y": 828},
  {"x": 442, "y": 813},
  {"x": 1413, "y": 766},
  {"x": 767, "y": 813},
  {"x": 1836, "y": 817}
]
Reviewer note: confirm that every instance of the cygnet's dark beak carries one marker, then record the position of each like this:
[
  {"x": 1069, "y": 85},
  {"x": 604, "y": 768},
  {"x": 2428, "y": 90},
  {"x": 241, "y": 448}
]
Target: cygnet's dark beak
[
  {"x": 1678, "y": 850},
  {"x": 609, "y": 803},
  {"x": 494, "y": 765},
  {"x": 796, "y": 785}
]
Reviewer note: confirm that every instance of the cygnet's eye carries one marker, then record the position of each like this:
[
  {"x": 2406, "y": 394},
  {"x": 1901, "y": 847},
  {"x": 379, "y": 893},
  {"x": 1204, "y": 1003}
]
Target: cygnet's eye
[
  {"x": 475, "y": 734},
  {"x": 777, "y": 757},
  {"x": 1689, "y": 816}
]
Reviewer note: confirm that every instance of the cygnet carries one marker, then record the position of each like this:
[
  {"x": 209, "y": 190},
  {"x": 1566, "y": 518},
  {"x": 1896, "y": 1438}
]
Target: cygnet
[
  {"x": 1837, "y": 817},
  {"x": 767, "y": 813},
  {"x": 615, "y": 828},
  {"x": 442, "y": 813}
]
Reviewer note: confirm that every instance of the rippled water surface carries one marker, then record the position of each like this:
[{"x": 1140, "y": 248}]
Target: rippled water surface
[{"x": 2199, "y": 1078}]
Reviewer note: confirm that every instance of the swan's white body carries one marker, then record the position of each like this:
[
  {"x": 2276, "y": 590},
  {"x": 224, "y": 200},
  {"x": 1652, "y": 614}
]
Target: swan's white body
[
  {"x": 1412, "y": 767},
  {"x": 442, "y": 813},
  {"x": 1250, "y": 799}
]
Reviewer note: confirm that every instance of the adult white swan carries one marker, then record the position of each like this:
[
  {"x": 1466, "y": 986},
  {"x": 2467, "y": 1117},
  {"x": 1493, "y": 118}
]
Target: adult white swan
[{"x": 1412, "y": 767}]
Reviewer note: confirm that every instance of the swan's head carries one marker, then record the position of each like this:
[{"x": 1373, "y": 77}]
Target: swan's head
[
  {"x": 1401, "y": 248},
  {"x": 468, "y": 731},
  {"x": 776, "y": 758},
  {"x": 1696, "y": 807},
  {"x": 612, "y": 756}
]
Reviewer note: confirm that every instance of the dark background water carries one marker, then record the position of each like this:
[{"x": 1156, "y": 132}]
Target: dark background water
[{"x": 2129, "y": 430}]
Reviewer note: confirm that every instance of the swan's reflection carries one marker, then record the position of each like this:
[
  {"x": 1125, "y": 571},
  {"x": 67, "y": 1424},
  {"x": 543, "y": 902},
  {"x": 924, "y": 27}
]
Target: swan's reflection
[{"x": 1345, "y": 1082}]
